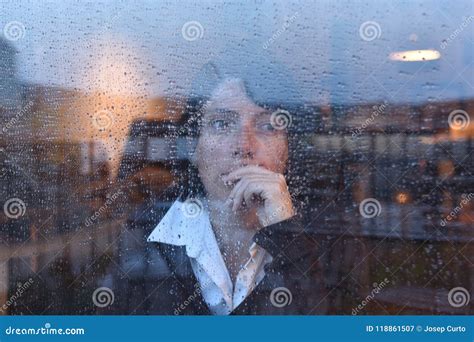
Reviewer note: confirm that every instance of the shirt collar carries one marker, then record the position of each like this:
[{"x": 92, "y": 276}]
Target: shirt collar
[
  {"x": 192, "y": 229},
  {"x": 182, "y": 227},
  {"x": 189, "y": 225}
]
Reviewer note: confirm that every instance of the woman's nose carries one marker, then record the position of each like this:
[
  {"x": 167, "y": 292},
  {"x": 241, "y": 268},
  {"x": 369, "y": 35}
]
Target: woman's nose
[{"x": 246, "y": 143}]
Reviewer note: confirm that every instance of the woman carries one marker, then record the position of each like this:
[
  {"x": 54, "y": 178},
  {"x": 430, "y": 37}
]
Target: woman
[{"x": 231, "y": 244}]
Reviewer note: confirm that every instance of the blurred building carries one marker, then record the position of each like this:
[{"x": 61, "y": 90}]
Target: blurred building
[{"x": 66, "y": 153}]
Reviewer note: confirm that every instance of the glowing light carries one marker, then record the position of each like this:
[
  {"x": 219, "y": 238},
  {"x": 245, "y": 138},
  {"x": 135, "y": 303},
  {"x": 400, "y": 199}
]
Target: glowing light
[
  {"x": 415, "y": 55},
  {"x": 402, "y": 197}
]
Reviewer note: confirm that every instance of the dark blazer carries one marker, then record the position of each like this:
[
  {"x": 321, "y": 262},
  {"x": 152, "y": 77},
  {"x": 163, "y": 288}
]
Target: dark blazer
[{"x": 156, "y": 278}]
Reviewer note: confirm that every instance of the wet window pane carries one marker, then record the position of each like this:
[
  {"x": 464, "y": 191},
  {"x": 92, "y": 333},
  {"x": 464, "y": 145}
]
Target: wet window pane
[{"x": 236, "y": 157}]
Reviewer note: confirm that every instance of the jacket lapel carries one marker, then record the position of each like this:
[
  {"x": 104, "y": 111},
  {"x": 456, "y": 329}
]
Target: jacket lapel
[{"x": 188, "y": 292}]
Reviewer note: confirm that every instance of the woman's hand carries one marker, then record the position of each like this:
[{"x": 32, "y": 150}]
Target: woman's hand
[{"x": 256, "y": 185}]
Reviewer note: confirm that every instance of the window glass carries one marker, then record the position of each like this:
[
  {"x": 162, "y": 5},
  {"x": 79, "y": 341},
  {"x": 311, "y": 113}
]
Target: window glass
[{"x": 112, "y": 111}]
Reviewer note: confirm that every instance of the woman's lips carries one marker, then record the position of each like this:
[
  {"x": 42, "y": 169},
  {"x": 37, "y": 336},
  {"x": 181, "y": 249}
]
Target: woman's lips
[{"x": 229, "y": 183}]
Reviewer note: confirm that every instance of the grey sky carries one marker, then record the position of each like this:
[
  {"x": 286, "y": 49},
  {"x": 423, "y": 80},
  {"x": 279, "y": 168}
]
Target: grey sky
[{"x": 82, "y": 44}]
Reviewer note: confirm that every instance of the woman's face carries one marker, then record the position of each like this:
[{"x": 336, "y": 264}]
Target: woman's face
[{"x": 236, "y": 132}]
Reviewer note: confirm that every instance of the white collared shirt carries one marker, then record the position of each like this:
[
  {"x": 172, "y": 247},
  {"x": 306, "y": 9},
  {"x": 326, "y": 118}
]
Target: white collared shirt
[{"x": 195, "y": 232}]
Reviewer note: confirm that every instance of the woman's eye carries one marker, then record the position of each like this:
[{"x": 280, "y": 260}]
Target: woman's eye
[
  {"x": 266, "y": 127},
  {"x": 219, "y": 124}
]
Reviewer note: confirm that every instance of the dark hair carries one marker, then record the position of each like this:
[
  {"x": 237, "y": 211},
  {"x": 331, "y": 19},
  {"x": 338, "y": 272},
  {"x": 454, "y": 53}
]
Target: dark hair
[{"x": 268, "y": 84}]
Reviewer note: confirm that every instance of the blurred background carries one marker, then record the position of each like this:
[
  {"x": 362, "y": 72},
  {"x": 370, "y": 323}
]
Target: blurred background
[{"x": 92, "y": 96}]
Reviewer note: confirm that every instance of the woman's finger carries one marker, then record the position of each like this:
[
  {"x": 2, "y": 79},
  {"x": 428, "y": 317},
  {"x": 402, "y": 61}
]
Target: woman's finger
[
  {"x": 246, "y": 171},
  {"x": 247, "y": 188},
  {"x": 236, "y": 194},
  {"x": 252, "y": 177},
  {"x": 256, "y": 189}
]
